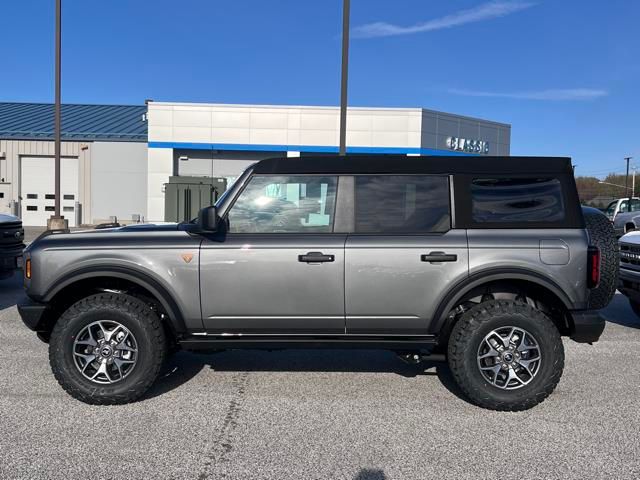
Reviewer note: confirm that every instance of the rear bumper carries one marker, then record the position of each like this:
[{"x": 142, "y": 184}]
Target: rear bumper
[{"x": 588, "y": 325}]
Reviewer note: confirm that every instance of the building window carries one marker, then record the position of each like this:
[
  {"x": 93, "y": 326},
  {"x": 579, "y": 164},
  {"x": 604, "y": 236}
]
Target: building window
[
  {"x": 285, "y": 204},
  {"x": 32, "y": 208},
  {"x": 32, "y": 196},
  {"x": 49, "y": 208},
  {"x": 503, "y": 200},
  {"x": 67, "y": 196},
  {"x": 49, "y": 196},
  {"x": 402, "y": 204},
  {"x": 67, "y": 209}
]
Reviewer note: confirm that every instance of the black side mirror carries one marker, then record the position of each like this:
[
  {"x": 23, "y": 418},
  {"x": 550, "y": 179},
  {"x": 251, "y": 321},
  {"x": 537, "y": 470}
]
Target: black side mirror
[{"x": 208, "y": 219}]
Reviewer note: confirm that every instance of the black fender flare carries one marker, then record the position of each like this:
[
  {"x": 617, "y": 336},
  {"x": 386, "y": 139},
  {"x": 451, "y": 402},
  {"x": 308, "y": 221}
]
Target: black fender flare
[
  {"x": 176, "y": 318},
  {"x": 459, "y": 290}
]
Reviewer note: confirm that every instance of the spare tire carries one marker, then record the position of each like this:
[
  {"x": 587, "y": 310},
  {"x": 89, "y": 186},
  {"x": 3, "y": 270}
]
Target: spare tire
[{"x": 602, "y": 235}]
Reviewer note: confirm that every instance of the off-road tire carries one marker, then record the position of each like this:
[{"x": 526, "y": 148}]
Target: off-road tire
[
  {"x": 635, "y": 306},
  {"x": 470, "y": 331},
  {"x": 132, "y": 313},
  {"x": 603, "y": 236}
]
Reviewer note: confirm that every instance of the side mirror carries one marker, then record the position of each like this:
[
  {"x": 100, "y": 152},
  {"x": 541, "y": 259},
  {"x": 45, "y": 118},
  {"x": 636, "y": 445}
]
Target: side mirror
[{"x": 208, "y": 219}]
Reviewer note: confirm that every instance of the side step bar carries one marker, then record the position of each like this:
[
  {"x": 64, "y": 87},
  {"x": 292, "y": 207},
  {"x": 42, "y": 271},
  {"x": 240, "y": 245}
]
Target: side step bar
[{"x": 273, "y": 342}]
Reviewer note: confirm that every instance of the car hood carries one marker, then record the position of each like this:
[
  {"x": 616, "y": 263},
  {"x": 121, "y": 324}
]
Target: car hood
[
  {"x": 631, "y": 237},
  {"x": 4, "y": 218}
]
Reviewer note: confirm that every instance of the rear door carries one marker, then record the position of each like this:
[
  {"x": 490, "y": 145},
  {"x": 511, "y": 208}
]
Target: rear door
[{"x": 403, "y": 254}]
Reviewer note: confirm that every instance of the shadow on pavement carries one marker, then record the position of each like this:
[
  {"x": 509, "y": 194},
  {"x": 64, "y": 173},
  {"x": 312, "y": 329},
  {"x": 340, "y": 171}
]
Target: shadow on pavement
[
  {"x": 183, "y": 366},
  {"x": 370, "y": 474},
  {"x": 11, "y": 290},
  {"x": 620, "y": 313}
]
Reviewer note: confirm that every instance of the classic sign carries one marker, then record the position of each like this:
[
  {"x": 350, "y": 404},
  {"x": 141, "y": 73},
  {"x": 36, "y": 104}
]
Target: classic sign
[{"x": 467, "y": 145}]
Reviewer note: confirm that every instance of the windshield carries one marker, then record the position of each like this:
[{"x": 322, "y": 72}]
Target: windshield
[{"x": 611, "y": 208}]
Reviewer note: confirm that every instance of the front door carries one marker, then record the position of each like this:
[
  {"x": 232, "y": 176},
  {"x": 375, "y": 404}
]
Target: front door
[
  {"x": 403, "y": 255},
  {"x": 277, "y": 267}
]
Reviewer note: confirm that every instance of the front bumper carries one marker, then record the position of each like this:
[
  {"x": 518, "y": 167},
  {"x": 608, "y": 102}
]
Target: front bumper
[
  {"x": 37, "y": 317},
  {"x": 629, "y": 284},
  {"x": 588, "y": 325},
  {"x": 11, "y": 258}
]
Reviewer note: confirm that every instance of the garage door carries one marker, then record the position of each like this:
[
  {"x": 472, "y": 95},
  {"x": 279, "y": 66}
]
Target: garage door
[{"x": 38, "y": 187}]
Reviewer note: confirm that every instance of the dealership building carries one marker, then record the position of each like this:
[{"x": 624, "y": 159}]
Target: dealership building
[{"x": 118, "y": 160}]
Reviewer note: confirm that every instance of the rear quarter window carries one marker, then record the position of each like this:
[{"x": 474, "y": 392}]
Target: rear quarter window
[{"x": 517, "y": 200}]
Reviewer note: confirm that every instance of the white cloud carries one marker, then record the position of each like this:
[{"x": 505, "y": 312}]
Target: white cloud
[
  {"x": 480, "y": 13},
  {"x": 553, "y": 94}
]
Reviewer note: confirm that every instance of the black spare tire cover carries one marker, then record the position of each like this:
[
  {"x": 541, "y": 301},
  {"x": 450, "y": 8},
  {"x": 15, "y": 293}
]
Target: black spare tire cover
[{"x": 602, "y": 235}]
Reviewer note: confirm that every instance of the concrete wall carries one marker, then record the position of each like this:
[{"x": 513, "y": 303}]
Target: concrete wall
[
  {"x": 118, "y": 180},
  {"x": 213, "y": 163}
]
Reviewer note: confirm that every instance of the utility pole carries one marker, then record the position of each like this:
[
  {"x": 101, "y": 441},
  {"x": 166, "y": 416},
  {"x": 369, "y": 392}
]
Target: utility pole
[
  {"x": 57, "y": 221},
  {"x": 626, "y": 183},
  {"x": 346, "y": 8}
]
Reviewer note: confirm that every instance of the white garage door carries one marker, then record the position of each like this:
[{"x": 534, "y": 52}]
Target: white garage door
[{"x": 38, "y": 187}]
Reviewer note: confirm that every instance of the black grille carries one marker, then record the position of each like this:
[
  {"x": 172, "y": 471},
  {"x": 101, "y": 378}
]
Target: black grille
[
  {"x": 11, "y": 234},
  {"x": 629, "y": 254}
]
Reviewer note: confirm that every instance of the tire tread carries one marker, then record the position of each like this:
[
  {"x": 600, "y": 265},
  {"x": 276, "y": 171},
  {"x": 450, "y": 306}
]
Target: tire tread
[{"x": 131, "y": 305}]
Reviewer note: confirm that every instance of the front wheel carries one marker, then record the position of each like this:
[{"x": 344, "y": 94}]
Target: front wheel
[
  {"x": 107, "y": 349},
  {"x": 506, "y": 355}
]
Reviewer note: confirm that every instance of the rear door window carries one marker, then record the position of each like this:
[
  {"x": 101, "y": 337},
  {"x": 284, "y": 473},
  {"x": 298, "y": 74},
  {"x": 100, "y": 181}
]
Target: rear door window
[
  {"x": 402, "y": 204},
  {"x": 517, "y": 200}
]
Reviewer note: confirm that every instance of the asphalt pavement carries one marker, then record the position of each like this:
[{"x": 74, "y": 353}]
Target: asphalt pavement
[{"x": 319, "y": 415}]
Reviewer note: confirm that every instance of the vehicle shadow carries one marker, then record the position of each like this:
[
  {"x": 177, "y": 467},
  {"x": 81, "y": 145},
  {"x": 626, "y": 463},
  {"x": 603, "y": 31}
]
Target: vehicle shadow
[
  {"x": 11, "y": 290},
  {"x": 183, "y": 366},
  {"x": 370, "y": 474},
  {"x": 620, "y": 313}
]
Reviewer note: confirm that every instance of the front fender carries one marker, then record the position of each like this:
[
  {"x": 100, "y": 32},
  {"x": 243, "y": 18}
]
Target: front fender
[{"x": 142, "y": 279}]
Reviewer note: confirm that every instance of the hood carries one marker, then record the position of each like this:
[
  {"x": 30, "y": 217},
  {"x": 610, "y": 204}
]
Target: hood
[
  {"x": 4, "y": 218},
  {"x": 631, "y": 237}
]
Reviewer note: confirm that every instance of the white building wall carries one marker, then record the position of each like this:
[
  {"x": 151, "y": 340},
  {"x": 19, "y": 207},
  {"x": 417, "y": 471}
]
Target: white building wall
[{"x": 291, "y": 130}]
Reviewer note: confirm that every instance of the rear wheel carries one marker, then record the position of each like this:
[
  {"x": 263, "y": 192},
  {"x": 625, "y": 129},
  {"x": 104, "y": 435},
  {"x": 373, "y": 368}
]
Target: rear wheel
[
  {"x": 506, "y": 355},
  {"x": 107, "y": 349}
]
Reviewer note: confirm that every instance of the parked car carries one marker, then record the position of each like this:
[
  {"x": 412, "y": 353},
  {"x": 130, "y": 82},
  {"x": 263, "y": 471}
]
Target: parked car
[
  {"x": 621, "y": 205},
  {"x": 11, "y": 245},
  {"x": 629, "y": 284},
  {"x": 489, "y": 260},
  {"x": 625, "y": 222}
]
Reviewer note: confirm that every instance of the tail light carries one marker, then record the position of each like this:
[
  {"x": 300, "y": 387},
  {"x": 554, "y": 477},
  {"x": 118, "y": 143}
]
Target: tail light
[
  {"x": 593, "y": 267},
  {"x": 27, "y": 268}
]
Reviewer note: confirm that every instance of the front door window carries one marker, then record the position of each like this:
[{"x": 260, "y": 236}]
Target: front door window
[{"x": 285, "y": 204}]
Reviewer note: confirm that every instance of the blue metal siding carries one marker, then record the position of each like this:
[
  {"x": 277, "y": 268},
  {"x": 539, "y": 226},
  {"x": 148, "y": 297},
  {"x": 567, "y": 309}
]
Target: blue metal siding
[{"x": 34, "y": 121}]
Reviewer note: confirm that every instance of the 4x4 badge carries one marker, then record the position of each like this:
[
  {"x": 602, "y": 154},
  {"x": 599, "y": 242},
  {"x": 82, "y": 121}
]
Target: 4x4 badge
[{"x": 187, "y": 257}]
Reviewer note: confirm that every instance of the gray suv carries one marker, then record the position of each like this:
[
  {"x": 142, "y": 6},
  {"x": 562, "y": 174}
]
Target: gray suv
[{"x": 487, "y": 260}]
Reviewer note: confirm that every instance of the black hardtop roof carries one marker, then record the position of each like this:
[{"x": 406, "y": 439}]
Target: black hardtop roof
[{"x": 402, "y": 164}]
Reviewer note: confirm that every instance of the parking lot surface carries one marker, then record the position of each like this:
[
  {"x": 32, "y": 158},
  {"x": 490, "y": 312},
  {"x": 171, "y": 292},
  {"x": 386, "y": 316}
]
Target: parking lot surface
[{"x": 319, "y": 414}]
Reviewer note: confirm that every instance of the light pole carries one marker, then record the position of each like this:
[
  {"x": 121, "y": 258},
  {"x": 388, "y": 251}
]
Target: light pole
[
  {"x": 626, "y": 182},
  {"x": 346, "y": 7},
  {"x": 57, "y": 221}
]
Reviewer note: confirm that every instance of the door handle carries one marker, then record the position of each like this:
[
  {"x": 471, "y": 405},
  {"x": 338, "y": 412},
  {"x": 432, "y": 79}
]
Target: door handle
[
  {"x": 439, "y": 257},
  {"x": 316, "y": 257}
]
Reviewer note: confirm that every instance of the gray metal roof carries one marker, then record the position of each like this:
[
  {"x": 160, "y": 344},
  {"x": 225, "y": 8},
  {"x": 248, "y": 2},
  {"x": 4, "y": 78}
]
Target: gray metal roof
[{"x": 34, "y": 121}]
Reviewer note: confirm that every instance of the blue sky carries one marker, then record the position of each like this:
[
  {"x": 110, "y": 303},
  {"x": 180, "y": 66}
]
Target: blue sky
[{"x": 564, "y": 73}]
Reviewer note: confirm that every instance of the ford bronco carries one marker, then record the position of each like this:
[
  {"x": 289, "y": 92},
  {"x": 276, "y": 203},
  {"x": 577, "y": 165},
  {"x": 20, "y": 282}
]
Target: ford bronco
[{"x": 486, "y": 262}]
